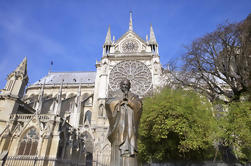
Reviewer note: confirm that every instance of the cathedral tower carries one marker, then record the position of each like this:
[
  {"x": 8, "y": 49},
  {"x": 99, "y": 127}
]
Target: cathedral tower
[
  {"x": 13, "y": 92},
  {"x": 129, "y": 57},
  {"x": 17, "y": 80}
]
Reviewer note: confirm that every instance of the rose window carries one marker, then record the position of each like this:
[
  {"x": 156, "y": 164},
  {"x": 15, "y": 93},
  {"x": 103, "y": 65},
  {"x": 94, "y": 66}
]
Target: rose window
[
  {"x": 137, "y": 72},
  {"x": 130, "y": 46}
]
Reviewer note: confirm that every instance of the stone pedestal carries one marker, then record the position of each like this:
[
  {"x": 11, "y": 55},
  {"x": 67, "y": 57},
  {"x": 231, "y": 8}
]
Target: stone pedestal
[{"x": 128, "y": 161}]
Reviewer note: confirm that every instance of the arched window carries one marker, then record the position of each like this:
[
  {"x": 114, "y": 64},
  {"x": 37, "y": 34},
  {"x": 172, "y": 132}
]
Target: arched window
[
  {"x": 84, "y": 96},
  {"x": 61, "y": 146},
  {"x": 9, "y": 85},
  {"x": 89, "y": 158},
  {"x": 88, "y": 116},
  {"x": 70, "y": 95},
  {"x": 101, "y": 110},
  {"x": 29, "y": 142}
]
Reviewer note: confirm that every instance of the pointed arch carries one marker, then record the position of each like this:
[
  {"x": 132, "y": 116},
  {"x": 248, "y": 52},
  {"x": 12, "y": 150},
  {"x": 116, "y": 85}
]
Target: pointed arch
[
  {"x": 88, "y": 116},
  {"x": 84, "y": 96},
  {"x": 28, "y": 142},
  {"x": 69, "y": 95},
  {"x": 88, "y": 131},
  {"x": 106, "y": 147},
  {"x": 61, "y": 146},
  {"x": 105, "y": 155},
  {"x": 101, "y": 110}
]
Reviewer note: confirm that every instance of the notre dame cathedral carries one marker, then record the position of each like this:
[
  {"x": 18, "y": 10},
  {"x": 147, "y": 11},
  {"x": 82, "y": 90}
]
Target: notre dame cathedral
[{"x": 61, "y": 119}]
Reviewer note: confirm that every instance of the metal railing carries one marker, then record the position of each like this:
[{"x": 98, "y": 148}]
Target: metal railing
[{"x": 43, "y": 161}]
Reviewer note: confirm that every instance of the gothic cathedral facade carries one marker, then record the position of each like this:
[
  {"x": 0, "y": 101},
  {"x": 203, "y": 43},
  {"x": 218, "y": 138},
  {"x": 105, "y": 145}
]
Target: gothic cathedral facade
[{"x": 61, "y": 119}]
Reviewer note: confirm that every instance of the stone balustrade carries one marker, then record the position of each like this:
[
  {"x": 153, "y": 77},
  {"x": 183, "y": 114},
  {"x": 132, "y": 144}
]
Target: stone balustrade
[{"x": 25, "y": 117}]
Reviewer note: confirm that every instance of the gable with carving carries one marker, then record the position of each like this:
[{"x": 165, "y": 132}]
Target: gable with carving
[{"x": 130, "y": 43}]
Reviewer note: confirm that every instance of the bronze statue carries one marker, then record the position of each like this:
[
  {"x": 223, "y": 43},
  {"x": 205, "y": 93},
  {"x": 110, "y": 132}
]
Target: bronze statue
[{"x": 123, "y": 111}]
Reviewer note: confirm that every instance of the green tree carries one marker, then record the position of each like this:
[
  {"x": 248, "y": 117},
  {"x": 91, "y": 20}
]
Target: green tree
[
  {"x": 176, "y": 125},
  {"x": 235, "y": 129}
]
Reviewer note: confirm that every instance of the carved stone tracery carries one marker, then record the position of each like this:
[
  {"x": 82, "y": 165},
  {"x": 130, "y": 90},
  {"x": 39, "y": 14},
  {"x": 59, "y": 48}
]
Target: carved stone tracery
[
  {"x": 129, "y": 46},
  {"x": 137, "y": 72},
  {"x": 29, "y": 142}
]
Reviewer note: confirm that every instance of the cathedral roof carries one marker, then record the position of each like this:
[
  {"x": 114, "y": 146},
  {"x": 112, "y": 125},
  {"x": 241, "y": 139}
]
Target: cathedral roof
[{"x": 68, "y": 77}]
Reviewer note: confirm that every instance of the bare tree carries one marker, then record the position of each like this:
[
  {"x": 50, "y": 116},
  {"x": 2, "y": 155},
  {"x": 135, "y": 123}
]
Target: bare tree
[{"x": 218, "y": 63}]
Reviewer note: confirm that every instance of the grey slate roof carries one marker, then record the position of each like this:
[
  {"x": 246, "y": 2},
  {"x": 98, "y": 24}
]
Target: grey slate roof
[{"x": 68, "y": 77}]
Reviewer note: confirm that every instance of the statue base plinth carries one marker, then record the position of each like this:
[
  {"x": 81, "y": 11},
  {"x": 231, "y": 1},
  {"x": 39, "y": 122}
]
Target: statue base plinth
[
  {"x": 118, "y": 159},
  {"x": 128, "y": 161}
]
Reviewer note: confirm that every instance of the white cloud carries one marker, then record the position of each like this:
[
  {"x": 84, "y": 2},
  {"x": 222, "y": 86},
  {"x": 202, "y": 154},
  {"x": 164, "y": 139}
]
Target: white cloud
[
  {"x": 18, "y": 40},
  {"x": 18, "y": 35}
]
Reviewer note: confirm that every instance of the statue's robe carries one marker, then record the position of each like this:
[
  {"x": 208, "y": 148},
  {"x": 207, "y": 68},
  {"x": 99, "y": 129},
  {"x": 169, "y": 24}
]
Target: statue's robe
[{"x": 124, "y": 120}]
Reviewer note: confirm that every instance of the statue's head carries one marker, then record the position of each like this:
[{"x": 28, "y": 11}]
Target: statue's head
[{"x": 125, "y": 85}]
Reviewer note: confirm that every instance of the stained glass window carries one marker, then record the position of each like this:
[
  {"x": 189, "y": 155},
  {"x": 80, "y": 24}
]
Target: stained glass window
[
  {"x": 137, "y": 72},
  {"x": 29, "y": 142},
  {"x": 130, "y": 46},
  {"x": 88, "y": 116}
]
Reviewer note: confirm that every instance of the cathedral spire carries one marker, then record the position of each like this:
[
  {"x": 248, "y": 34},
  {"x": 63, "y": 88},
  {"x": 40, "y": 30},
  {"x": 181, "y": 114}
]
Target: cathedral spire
[
  {"x": 59, "y": 100},
  {"x": 130, "y": 23},
  {"x": 79, "y": 90},
  {"x": 78, "y": 97},
  {"x": 22, "y": 67},
  {"x": 152, "y": 39},
  {"x": 40, "y": 99},
  {"x": 108, "y": 39},
  {"x": 60, "y": 90},
  {"x": 77, "y": 108},
  {"x": 17, "y": 80}
]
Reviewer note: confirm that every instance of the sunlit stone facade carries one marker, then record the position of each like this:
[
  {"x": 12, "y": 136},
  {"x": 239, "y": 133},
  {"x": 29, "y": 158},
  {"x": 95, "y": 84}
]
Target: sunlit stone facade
[{"x": 62, "y": 116}]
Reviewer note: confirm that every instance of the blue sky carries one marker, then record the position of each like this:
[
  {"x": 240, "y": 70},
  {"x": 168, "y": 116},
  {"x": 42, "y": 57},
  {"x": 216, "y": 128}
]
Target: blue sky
[{"x": 71, "y": 32}]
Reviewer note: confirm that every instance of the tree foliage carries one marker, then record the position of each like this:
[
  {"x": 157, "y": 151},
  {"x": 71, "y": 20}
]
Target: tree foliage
[
  {"x": 176, "y": 125},
  {"x": 218, "y": 64},
  {"x": 182, "y": 125},
  {"x": 235, "y": 130}
]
